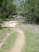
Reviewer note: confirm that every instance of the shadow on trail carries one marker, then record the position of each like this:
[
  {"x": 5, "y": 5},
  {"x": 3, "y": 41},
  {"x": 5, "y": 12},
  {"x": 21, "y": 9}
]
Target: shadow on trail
[
  {"x": 28, "y": 23},
  {"x": 7, "y": 27}
]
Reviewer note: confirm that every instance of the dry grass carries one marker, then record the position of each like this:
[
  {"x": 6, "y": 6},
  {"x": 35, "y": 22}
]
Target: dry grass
[{"x": 32, "y": 36}]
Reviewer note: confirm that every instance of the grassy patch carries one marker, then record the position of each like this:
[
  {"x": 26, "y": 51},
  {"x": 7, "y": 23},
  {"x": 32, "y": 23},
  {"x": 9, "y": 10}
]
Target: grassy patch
[
  {"x": 9, "y": 43},
  {"x": 3, "y": 33},
  {"x": 32, "y": 37},
  {"x": 32, "y": 42},
  {"x": 4, "y": 30}
]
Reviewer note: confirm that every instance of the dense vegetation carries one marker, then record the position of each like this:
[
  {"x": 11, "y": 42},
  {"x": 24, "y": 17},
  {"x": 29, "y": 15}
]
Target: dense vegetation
[
  {"x": 30, "y": 9},
  {"x": 7, "y": 7}
]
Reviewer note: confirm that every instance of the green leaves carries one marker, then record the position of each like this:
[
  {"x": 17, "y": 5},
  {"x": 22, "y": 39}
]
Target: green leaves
[
  {"x": 7, "y": 7},
  {"x": 31, "y": 11}
]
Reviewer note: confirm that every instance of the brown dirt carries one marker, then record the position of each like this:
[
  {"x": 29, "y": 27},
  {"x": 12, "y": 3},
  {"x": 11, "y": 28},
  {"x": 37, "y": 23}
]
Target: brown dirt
[
  {"x": 20, "y": 41},
  {"x": 10, "y": 23},
  {"x": 7, "y": 24}
]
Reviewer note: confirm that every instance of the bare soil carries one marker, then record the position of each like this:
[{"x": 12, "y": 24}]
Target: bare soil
[
  {"x": 20, "y": 41},
  {"x": 5, "y": 36}
]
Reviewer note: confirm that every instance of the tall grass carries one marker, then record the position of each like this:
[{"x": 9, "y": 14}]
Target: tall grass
[{"x": 31, "y": 35}]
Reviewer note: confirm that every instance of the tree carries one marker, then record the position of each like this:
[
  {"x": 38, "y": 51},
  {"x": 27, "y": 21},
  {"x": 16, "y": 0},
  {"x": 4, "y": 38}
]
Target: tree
[
  {"x": 7, "y": 7},
  {"x": 31, "y": 11}
]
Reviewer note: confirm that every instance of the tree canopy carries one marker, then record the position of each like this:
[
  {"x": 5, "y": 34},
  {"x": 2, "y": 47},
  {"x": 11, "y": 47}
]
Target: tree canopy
[
  {"x": 7, "y": 7},
  {"x": 31, "y": 11}
]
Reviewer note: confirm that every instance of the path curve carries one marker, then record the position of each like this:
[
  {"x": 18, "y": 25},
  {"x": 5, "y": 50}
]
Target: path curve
[{"x": 20, "y": 41}]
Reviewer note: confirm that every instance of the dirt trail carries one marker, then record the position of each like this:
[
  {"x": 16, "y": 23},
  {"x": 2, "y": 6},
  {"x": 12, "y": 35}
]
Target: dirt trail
[
  {"x": 20, "y": 41},
  {"x": 7, "y": 24}
]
